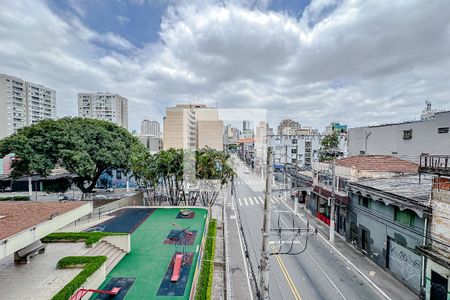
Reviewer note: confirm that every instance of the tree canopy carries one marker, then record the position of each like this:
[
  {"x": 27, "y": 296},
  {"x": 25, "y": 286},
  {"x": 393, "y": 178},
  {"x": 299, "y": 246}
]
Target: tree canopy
[
  {"x": 83, "y": 147},
  {"x": 163, "y": 175},
  {"x": 329, "y": 146}
]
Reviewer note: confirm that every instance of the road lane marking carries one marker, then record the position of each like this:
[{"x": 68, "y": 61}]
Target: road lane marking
[
  {"x": 240, "y": 202},
  {"x": 287, "y": 276},
  {"x": 256, "y": 200},
  {"x": 251, "y": 201},
  {"x": 245, "y": 201},
  {"x": 261, "y": 199}
]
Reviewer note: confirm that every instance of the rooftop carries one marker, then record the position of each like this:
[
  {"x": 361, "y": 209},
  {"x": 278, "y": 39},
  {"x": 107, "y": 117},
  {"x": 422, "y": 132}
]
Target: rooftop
[
  {"x": 20, "y": 215},
  {"x": 378, "y": 163},
  {"x": 410, "y": 187}
]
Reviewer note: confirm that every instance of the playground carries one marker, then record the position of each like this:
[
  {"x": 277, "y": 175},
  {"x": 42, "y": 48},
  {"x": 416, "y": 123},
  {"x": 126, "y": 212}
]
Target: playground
[{"x": 164, "y": 253}]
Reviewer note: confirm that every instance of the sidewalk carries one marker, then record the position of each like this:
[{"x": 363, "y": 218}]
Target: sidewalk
[{"x": 384, "y": 282}]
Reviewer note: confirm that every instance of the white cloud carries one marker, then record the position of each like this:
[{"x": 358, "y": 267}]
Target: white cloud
[
  {"x": 123, "y": 20},
  {"x": 355, "y": 61}
]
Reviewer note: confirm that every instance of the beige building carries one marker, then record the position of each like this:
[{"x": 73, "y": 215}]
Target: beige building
[
  {"x": 189, "y": 126},
  {"x": 23, "y": 103},
  {"x": 149, "y": 127},
  {"x": 104, "y": 106}
]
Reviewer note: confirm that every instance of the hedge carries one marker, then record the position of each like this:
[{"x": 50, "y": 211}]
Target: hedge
[
  {"x": 88, "y": 237},
  {"x": 15, "y": 198},
  {"x": 204, "y": 286},
  {"x": 91, "y": 264}
]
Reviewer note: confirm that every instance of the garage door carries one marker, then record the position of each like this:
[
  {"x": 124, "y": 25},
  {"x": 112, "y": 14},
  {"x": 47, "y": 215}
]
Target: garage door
[{"x": 405, "y": 264}]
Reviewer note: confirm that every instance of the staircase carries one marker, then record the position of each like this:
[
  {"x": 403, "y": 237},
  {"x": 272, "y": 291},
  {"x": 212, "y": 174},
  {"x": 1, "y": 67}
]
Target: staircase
[{"x": 113, "y": 253}]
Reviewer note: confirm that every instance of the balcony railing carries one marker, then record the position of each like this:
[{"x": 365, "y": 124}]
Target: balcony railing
[{"x": 435, "y": 164}]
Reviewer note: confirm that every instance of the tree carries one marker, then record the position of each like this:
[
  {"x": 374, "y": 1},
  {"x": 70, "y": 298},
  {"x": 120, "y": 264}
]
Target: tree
[
  {"x": 83, "y": 147},
  {"x": 329, "y": 146}
]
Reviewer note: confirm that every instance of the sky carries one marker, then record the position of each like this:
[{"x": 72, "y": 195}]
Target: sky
[{"x": 358, "y": 62}]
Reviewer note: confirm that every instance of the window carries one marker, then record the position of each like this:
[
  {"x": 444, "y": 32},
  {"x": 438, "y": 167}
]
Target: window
[
  {"x": 443, "y": 130},
  {"x": 294, "y": 151},
  {"x": 365, "y": 201},
  {"x": 119, "y": 174},
  {"x": 407, "y": 134},
  {"x": 362, "y": 152},
  {"x": 405, "y": 217},
  {"x": 294, "y": 141}
]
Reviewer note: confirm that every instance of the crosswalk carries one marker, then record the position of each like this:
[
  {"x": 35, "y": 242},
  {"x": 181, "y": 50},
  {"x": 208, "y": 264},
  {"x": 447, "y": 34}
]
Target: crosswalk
[
  {"x": 254, "y": 201},
  {"x": 249, "y": 182}
]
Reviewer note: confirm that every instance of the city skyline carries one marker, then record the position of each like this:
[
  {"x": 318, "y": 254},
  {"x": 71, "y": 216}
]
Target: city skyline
[{"x": 365, "y": 69}]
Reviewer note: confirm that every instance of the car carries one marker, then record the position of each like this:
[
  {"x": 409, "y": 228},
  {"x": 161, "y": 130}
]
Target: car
[
  {"x": 109, "y": 190},
  {"x": 246, "y": 172},
  {"x": 100, "y": 197}
]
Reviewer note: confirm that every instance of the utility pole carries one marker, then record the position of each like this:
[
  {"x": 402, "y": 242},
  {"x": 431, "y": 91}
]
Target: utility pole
[
  {"x": 333, "y": 201},
  {"x": 264, "y": 275}
]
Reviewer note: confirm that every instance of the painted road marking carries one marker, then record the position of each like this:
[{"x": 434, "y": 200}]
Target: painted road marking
[
  {"x": 287, "y": 276},
  {"x": 245, "y": 201},
  {"x": 250, "y": 199},
  {"x": 240, "y": 202},
  {"x": 261, "y": 199}
]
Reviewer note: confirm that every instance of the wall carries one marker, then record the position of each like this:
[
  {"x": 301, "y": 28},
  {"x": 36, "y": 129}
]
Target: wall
[
  {"x": 388, "y": 139},
  {"x": 440, "y": 222},
  {"x": 28, "y": 236},
  {"x": 120, "y": 241},
  {"x": 444, "y": 272},
  {"x": 378, "y": 221}
]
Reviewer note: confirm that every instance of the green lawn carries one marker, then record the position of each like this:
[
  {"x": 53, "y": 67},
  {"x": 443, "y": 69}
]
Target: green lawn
[{"x": 149, "y": 257}]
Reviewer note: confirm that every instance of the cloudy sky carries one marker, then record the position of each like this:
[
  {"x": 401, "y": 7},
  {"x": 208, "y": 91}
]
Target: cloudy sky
[{"x": 358, "y": 61}]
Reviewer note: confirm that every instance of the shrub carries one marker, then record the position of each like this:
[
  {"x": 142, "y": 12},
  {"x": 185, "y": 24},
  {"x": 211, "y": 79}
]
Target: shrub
[
  {"x": 204, "y": 287},
  {"x": 91, "y": 264},
  {"x": 14, "y": 198},
  {"x": 88, "y": 237}
]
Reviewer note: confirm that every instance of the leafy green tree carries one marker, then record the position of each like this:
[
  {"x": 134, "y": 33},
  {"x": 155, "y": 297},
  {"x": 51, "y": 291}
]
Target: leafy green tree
[
  {"x": 83, "y": 147},
  {"x": 60, "y": 185},
  {"x": 329, "y": 146}
]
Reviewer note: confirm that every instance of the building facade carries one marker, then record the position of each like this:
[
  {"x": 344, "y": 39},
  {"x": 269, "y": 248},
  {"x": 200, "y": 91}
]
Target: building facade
[
  {"x": 387, "y": 219},
  {"x": 23, "y": 103},
  {"x": 189, "y": 126},
  {"x": 288, "y": 127},
  {"x": 149, "y": 127},
  {"x": 104, "y": 106},
  {"x": 406, "y": 140},
  {"x": 436, "y": 250}
]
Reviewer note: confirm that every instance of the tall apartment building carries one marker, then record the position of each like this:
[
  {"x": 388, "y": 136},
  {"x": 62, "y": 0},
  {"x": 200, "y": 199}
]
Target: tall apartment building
[
  {"x": 104, "y": 106},
  {"x": 188, "y": 126},
  {"x": 23, "y": 103},
  {"x": 288, "y": 127},
  {"x": 150, "y": 128}
]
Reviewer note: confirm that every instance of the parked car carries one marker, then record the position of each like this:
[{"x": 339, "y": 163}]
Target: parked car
[{"x": 109, "y": 190}]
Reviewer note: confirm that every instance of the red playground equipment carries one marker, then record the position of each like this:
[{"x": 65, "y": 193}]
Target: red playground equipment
[
  {"x": 177, "y": 267},
  {"x": 82, "y": 292},
  {"x": 179, "y": 257}
]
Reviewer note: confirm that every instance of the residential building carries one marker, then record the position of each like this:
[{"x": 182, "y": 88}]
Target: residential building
[
  {"x": 349, "y": 169},
  {"x": 288, "y": 127},
  {"x": 436, "y": 250},
  {"x": 23, "y": 103},
  {"x": 104, "y": 106},
  {"x": 406, "y": 140},
  {"x": 300, "y": 150},
  {"x": 230, "y": 135},
  {"x": 246, "y": 125},
  {"x": 149, "y": 127},
  {"x": 192, "y": 126},
  {"x": 152, "y": 143},
  {"x": 387, "y": 218}
]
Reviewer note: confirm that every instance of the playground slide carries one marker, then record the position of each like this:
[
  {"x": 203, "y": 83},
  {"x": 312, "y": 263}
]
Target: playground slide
[{"x": 177, "y": 267}]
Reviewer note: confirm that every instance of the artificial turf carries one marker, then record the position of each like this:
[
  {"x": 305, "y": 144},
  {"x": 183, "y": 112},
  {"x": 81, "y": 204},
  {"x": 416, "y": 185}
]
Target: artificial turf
[{"x": 149, "y": 257}]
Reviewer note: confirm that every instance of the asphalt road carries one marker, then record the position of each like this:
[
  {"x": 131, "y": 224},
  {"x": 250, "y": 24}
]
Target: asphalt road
[{"x": 316, "y": 273}]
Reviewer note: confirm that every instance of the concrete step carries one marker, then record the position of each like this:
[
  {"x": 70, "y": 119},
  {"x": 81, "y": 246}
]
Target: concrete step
[
  {"x": 97, "y": 249},
  {"x": 114, "y": 260}
]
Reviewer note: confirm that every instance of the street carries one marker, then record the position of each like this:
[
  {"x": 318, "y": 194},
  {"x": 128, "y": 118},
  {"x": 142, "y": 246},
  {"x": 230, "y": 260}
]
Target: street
[{"x": 317, "y": 273}]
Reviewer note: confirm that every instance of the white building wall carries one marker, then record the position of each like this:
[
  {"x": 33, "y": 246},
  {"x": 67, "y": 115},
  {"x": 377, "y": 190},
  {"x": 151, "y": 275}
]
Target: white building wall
[
  {"x": 389, "y": 139},
  {"x": 104, "y": 106}
]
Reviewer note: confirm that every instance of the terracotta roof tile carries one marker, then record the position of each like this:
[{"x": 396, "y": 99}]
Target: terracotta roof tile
[
  {"x": 378, "y": 163},
  {"x": 16, "y": 216}
]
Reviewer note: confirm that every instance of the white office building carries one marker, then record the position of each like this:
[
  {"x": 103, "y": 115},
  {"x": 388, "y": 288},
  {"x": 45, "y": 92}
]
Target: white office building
[
  {"x": 104, "y": 106},
  {"x": 23, "y": 103}
]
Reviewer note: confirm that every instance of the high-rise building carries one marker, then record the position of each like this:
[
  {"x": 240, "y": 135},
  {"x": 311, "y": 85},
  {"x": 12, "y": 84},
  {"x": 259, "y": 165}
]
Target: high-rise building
[
  {"x": 104, "y": 106},
  {"x": 23, "y": 103},
  {"x": 150, "y": 128},
  {"x": 288, "y": 127},
  {"x": 246, "y": 125},
  {"x": 192, "y": 126}
]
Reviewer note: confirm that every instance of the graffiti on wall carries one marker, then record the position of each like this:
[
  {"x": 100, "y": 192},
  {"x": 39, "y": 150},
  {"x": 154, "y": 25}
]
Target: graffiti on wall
[{"x": 405, "y": 264}]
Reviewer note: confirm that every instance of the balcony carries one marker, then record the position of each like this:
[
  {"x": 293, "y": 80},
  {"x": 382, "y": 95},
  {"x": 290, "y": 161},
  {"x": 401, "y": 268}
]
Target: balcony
[{"x": 435, "y": 164}]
